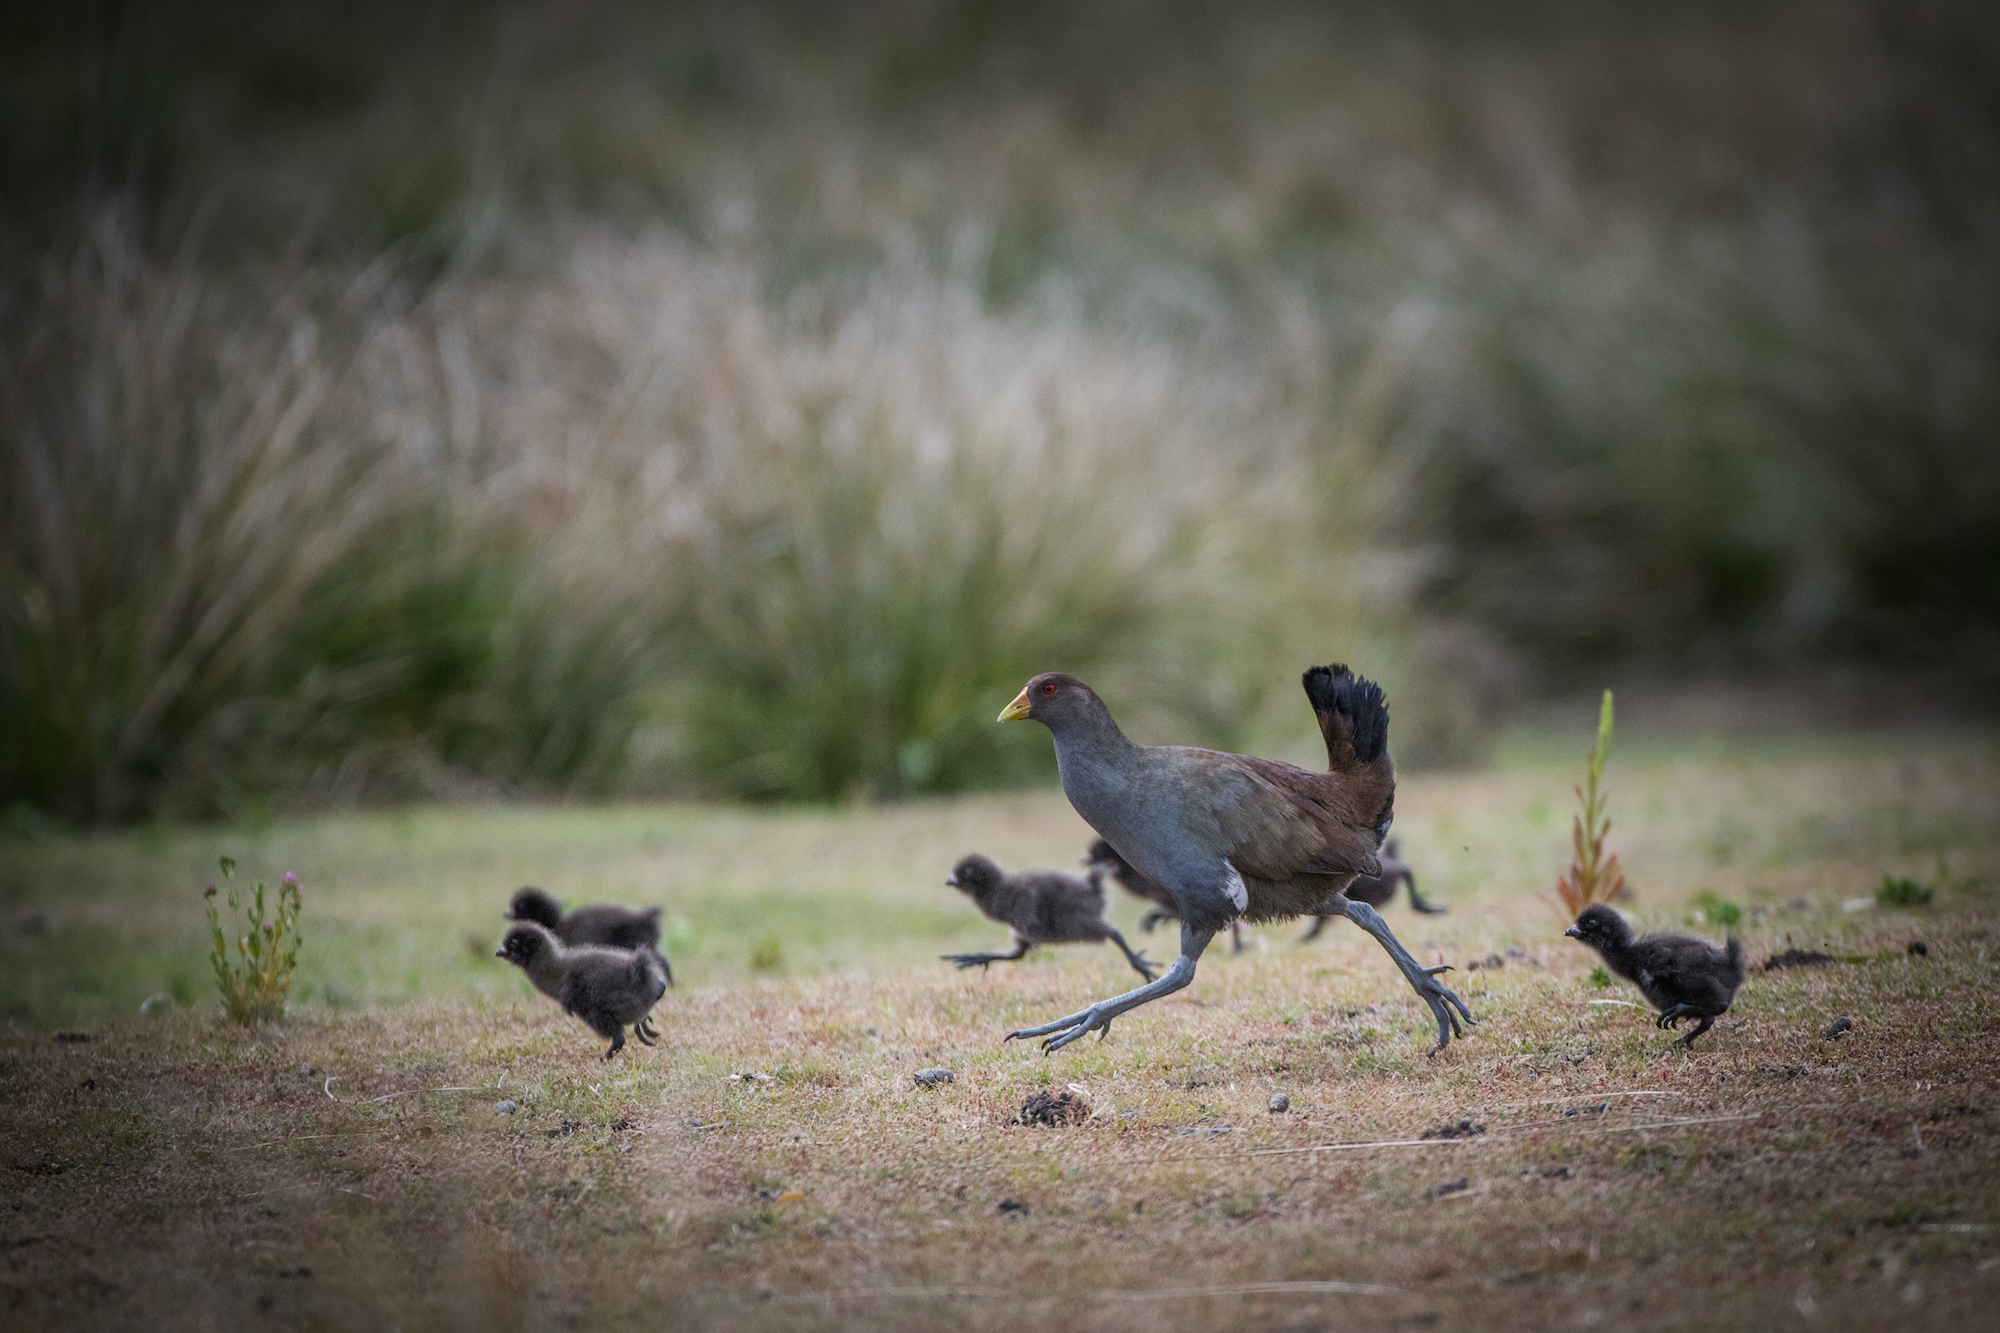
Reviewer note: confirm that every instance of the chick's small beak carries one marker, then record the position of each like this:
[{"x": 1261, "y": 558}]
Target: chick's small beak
[
  {"x": 1574, "y": 933},
  {"x": 1017, "y": 710},
  {"x": 951, "y": 880},
  {"x": 499, "y": 953}
]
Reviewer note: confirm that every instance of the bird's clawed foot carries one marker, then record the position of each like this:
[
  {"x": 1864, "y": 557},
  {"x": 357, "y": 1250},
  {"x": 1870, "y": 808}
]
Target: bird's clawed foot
[
  {"x": 1066, "y": 1030},
  {"x": 965, "y": 960},
  {"x": 1671, "y": 1018},
  {"x": 1145, "y": 966},
  {"x": 1442, "y": 1000},
  {"x": 645, "y": 1031}
]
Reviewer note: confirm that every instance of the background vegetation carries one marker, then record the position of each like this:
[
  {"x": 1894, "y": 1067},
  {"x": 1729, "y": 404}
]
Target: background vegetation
[{"x": 744, "y": 398}]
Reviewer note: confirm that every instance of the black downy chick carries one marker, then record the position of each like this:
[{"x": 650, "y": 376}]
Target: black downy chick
[
  {"x": 607, "y": 988},
  {"x": 1043, "y": 907},
  {"x": 1103, "y": 859},
  {"x": 606, "y": 924},
  {"x": 1682, "y": 976},
  {"x": 1377, "y": 890}
]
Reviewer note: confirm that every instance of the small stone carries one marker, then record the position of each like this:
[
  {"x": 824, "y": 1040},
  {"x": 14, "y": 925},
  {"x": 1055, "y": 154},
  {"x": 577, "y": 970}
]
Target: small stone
[
  {"x": 1280, "y": 1103},
  {"x": 930, "y": 1078},
  {"x": 1840, "y": 1028},
  {"x": 1918, "y": 949},
  {"x": 505, "y": 1107},
  {"x": 1446, "y": 1187},
  {"x": 1011, "y": 1208}
]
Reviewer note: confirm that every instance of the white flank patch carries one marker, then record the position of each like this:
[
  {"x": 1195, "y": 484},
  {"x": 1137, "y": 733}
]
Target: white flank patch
[{"x": 1238, "y": 894}]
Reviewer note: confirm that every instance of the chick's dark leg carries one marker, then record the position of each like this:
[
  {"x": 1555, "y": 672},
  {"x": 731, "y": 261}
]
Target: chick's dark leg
[
  {"x": 1319, "y": 924},
  {"x": 617, "y": 1043},
  {"x": 1441, "y": 998},
  {"x": 1098, "y": 1017},
  {"x": 965, "y": 960},
  {"x": 1417, "y": 902},
  {"x": 1153, "y": 918},
  {"x": 1699, "y": 1028},
  {"x": 1136, "y": 958},
  {"x": 1236, "y": 937}
]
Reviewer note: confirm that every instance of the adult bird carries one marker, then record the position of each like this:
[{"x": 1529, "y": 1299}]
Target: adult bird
[{"x": 1230, "y": 836}]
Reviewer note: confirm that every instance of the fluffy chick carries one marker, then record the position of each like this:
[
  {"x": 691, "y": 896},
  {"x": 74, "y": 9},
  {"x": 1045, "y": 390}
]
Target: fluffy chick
[
  {"x": 607, "y": 988},
  {"x": 1682, "y": 976},
  {"x": 612, "y": 926},
  {"x": 1103, "y": 859},
  {"x": 1377, "y": 890},
  {"x": 1043, "y": 907}
]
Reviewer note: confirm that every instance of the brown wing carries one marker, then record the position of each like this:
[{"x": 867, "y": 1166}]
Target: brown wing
[{"x": 1279, "y": 821}]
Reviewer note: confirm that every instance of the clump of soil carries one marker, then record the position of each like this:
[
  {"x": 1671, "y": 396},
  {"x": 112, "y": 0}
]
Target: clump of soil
[
  {"x": 1464, "y": 1129},
  {"x": 1053, "y": 1108},
  {"x": 1777, "y": 962}
]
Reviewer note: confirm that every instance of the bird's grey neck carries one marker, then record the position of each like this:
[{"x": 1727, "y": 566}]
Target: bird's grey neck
[
  {"x": 1094, "y": 731},
  {"x": 1091, "y": 758}
]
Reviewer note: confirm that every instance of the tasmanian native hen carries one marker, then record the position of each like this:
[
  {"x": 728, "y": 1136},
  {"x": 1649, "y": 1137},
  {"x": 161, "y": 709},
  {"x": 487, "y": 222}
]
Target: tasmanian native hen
[
  {"x": 607, "y": 988},
  {"x": 1229, "y": 836},
  {"x": 601, "y": 923},
  {"x": 1103, "y": 859},
  {"x": 1043, "y": 907},
  {"x": 1682, "y": 976},
  {"x": 1377, "y": 890}
]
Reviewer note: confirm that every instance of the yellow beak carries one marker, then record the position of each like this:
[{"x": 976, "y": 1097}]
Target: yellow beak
[{"x": 1017, "y": 710}]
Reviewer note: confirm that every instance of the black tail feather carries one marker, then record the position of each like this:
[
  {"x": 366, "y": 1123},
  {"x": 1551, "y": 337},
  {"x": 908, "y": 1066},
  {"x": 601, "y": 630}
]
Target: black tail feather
[{"x": 1336, "y": 692}]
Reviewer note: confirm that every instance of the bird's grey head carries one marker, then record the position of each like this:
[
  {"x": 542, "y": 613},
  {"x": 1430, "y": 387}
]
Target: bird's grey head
[
  {"x": 1600, "y": 925},
  {"x": 534, "y": 905},
  {"x": 1056, "y": 700},
  {"x": 974, "y": 875},
  {"x": 525, "y": 943}
]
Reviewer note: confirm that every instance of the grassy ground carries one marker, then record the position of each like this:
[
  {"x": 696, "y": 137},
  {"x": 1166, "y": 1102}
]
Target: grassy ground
[{"x": 349, "y": 1168}]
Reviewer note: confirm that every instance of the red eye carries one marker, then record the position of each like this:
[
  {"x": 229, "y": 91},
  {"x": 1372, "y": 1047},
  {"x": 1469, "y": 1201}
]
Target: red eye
[{"x": 1049, "y": 687}]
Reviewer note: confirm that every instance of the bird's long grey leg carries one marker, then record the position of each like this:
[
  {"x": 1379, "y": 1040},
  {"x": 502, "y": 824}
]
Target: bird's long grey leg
[
  {"x": 965, "y": 960},
  {"x": 1098, "y": 1017},
  {"x": 1136, "y": 959},
  {"x": 1236, "y": 937},
  {"x": 1439, "y": 997}
]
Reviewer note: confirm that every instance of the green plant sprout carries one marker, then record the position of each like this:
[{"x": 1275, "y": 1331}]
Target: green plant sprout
[
  {"x": 1594, "y": 876},
  {"x": 1712, "y": 908},
  {"x": 255, "y": 985},
  {"x": 1895, "y": 891}
]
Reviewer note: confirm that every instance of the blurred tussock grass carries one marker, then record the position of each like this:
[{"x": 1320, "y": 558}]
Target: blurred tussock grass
[
  {"x": 743, "y": 401},
  {"x": 635, "y": 522}
]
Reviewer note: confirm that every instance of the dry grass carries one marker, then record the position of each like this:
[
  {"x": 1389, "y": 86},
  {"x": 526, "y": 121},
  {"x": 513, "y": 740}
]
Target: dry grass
[{"x": 349, "y": 1169}]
